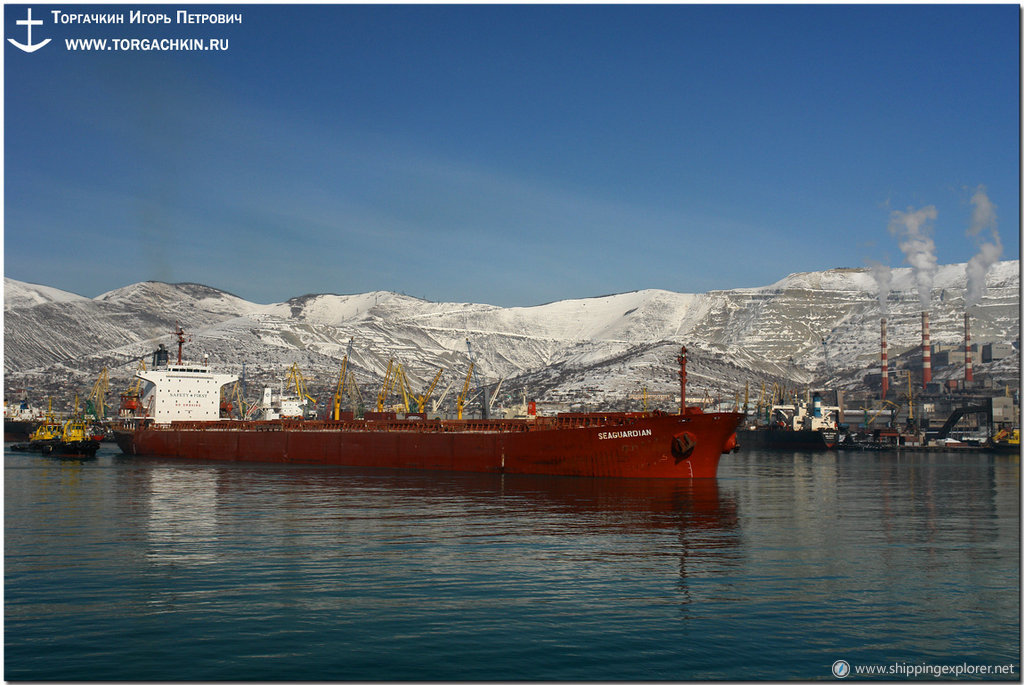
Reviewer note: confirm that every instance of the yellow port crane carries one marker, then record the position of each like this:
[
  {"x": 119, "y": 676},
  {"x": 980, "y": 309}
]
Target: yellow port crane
[
  {"x": 760, "y": 400},
  {"x": 239, "y": 403},
  {"x": 460, "y": 401},
  {"x": 295, "y": 380},
  {"x": 130, "y": 398},
  {"x": 420, "y": 400},
  {"x": 385, "y": 389},
  {"x": 343, "y": 379},
  {"x": 892, "y": 415},
  {"x": 96, "y": 403},
  {"x": 402, "y": 381},
  {"x": 135, "y": 387}
]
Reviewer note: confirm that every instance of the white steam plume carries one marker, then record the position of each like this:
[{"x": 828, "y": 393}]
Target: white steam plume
[
  {"x": 919, "y": 249},
  {"x": 883, "y": 278},
  {"x": 983, "y": 216}
]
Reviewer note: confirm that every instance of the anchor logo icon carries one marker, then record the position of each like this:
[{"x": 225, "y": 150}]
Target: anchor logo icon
[{"x": 29, "y": 22}]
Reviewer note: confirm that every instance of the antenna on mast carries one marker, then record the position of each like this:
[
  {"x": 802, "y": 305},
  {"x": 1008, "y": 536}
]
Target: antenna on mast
[{"x": 181, "y": 340}]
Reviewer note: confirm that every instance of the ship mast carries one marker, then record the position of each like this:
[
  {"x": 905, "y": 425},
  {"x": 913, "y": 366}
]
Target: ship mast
[
  {"x": 181, "y": 340},
  {"x": 682, "y": 379}
]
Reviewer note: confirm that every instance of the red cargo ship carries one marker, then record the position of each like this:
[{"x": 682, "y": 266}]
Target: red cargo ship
[{"x": 181, "y": 419}]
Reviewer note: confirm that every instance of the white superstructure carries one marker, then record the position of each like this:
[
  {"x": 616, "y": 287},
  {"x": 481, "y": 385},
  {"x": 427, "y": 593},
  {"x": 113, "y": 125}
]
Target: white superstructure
[
  {"x": 182, "y": 391},
  {"x": 801, "y": 417}
]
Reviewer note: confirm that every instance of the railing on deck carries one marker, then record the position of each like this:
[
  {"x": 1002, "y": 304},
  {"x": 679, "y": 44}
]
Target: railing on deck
[{"x": 562, "y": 421}]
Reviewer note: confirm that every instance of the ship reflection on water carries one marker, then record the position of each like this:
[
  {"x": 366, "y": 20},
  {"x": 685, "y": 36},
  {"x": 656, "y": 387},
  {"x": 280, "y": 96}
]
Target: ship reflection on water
[
  {"x": 785, "y": 563},
  {"x": 197, "y": 514}
]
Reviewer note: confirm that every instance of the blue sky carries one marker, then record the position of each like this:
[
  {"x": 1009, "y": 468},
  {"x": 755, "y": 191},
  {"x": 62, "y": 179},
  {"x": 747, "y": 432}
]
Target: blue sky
[{"x": 513, "y": 154}]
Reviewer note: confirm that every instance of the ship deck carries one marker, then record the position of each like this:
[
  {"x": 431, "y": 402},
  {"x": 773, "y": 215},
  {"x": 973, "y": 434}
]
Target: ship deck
[{"x": 405, "y": 425}]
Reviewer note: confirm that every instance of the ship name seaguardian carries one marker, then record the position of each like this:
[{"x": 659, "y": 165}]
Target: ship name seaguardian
[{"x": 624, "y": 434}]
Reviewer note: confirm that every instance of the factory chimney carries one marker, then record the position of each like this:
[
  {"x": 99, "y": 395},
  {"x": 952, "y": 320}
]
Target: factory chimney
[
  {"x": 926, "y": 352},
  {"x": 885, "y": 364},
  {"x": 968, "y": 361}
]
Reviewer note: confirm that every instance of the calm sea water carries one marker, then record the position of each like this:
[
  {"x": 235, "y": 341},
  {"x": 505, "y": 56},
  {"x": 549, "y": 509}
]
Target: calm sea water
[{"x": 123, "y": 568}]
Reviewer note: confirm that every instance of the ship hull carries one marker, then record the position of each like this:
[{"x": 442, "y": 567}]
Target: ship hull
[
  {"x": 18, "y": 430},
  {"x": 771, "y": 438},
  {"x": 592, "y": 445},
  {"x": 59, "y": 448}
]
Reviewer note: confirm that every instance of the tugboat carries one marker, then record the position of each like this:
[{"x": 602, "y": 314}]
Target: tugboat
[
  {"x": 70, "y": 439},
  {"x": 1006, "y": 440},
  {"x": 75, "y": 440},
  {"x": 48, "y": 431}
]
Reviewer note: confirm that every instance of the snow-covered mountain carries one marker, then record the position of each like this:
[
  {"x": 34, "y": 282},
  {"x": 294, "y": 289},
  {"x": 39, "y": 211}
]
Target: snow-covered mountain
[{"x": 816, "y": 328}]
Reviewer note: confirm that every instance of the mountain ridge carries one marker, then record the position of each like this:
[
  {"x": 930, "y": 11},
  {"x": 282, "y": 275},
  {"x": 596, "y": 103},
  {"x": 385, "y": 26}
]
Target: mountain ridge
[{"x": 809, "y": 327}]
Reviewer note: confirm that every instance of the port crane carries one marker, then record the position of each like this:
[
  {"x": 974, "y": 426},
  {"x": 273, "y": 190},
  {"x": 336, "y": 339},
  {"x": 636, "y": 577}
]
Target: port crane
[
  {"x": 130, "y": 402},
  {"x": 236, "y": 394},
  {"x": 910, "y": 400},
  {"x": 460, "y": 401},
  {"x": 385, "y": 389},
  {"x": 894, "y": 412},
  {"x": 436, "y": 404},
  {"x": 494, "y": 396},
  {"x": 296, "y": 380},
  {"x": 824, "y": 352},
  {"x": 465, "y": 390},
  {"x": 345, "y": 378},
  {"x": 421, "y": 400},
  {"x": 96, "y": 403},
  {"x": 402, "y": 381}
]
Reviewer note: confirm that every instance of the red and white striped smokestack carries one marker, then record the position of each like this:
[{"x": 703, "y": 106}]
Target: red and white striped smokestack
[
  {"x": 968, "y": 361},
  {"x": 885, "y": 363},
  {"x": 926, "y": 351}
]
